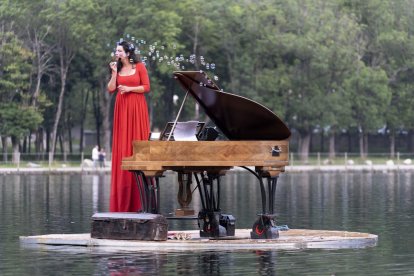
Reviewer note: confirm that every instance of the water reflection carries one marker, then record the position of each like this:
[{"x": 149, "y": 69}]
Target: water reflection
[
  {"x": 379, "y": 203},
  {"x": 266, "y": 262},
  {"x": 131, "y": 265},
  {"x": 192, "y": 263}
]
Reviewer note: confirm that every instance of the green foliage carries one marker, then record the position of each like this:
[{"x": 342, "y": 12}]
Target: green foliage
[
  {"x": 15, "y": 67},
  {"x": 17, "y": 121},
  {"x": 370, "y": 97},
  {"x": 331, "y": 64}
]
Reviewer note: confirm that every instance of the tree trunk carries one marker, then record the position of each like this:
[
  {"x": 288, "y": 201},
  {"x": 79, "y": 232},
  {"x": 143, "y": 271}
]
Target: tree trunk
[
  {"x": 65, "y": 146},
  {"x": 365, "y": 145},
  {"x": 24, "y": 144},
  {"x": 67, "y": 133},
  {"x": 361, "y": 145},
  {"x": 42, "y": 56},
  {"x": 59, "y": 108},
  {"x": 322, "y": 142},
  {"x": 16, "y": 153},
  {"x": 65, "y": 58},
  {"x": 60, "y": 136},
  {"x": 81, "y": 134},
  {"x": 310, "y": 143},
  {"x": 39, "y": 143},
  {"x": 70, "y": 138},
  {"x": 85, "y": 97},
  {"x": 349, "y": 138},
  {"x": 47, "y": 140},
  {"x": 105, "y": 104},
  {"x": 332, "y": 153},
  {"x": 30, "y": 142},
  {"x": 304, "y": 148},
  {"x": 410, "y": 144},
  {"x": 39, "y": 76},
  {"x": 36, "y": 92},
  {"x": 392, "y": 144},
  {"x": 4, "y": 148},
  {"x": 230, "y": 71},
  {"x": 97, "y": 114}
]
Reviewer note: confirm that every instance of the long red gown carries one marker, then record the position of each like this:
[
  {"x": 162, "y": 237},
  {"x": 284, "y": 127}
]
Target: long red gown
[{"x": 131, "y": 122}]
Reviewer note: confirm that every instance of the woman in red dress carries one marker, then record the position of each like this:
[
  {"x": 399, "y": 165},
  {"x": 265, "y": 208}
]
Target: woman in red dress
[{"x": 130, "y": 78}]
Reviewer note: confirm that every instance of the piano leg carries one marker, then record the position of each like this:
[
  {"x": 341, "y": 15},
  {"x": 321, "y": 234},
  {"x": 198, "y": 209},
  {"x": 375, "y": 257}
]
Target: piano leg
[
  {"x": 155, "y": 194},
  {"x": 148, "y": 188},
  {"x": 265, "y": 227},
  {"x": 214, "y": 223},
  {"x": 141, "y": 190}
]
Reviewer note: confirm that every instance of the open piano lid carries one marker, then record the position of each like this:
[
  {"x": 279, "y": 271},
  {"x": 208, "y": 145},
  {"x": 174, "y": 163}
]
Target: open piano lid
[{"x": 237, "y": 117}]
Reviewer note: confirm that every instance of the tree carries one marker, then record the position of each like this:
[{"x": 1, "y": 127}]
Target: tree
[
  {"x": 16, "y": 121},
  {"x": 397, "y": 45},
  {"x": 16, "y": 118},
  {"x": 389, "y": 47},
  {"x": 70, "y": 28},
  {"x": 370, "y": 97},
  {"x": 317, "y": 50}
]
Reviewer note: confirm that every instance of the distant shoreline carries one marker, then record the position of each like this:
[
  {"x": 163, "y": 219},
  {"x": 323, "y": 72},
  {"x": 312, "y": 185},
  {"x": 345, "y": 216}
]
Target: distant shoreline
[{"x": 288, "y": 169}]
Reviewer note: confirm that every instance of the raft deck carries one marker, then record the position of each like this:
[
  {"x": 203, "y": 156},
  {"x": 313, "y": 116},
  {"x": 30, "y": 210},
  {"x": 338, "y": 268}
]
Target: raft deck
[{"x": 292, "y": 239}]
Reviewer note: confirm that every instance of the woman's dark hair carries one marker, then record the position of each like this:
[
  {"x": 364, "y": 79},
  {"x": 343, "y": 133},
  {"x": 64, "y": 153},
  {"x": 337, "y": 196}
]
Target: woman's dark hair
[{"x": 129, "y": 48}]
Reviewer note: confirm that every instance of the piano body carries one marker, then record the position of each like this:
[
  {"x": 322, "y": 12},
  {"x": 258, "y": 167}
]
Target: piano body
[{"x": 257, "y": 141}]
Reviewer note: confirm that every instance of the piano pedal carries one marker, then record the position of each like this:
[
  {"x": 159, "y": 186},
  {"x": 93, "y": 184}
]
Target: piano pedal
[
  {"x": 264, "y": 228},
  {"x": 184, "y": 212},
  {"x": 216, "y": 224}
]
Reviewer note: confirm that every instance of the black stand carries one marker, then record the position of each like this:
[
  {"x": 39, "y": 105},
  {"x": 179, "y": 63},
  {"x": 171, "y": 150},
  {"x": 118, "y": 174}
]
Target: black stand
[
  {"x": 214, "y": 224},
  {"x": 265, "y": 226}
]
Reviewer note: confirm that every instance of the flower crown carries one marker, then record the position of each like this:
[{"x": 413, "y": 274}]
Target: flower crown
[{"x": 131, "y": 46}]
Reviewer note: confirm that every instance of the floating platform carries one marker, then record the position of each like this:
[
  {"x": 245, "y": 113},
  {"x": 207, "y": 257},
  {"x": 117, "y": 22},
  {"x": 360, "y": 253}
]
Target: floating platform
[{"x": 292, "y": 239}]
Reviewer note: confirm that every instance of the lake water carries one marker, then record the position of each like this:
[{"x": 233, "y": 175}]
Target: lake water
[{"x": 378, "y": 203}]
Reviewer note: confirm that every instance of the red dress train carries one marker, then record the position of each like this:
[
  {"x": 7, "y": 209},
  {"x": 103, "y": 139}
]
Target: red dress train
[{"x": 131, "y": 122}]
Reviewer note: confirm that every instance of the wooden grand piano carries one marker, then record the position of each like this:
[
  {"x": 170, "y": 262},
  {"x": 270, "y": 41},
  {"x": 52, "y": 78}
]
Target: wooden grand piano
[{"x": 257, "y": 141}]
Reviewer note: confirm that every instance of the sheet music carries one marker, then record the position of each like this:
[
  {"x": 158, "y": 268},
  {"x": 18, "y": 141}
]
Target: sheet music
[
  {"x": 155, "y": 136},
  {"x": 186, "y": 131}
]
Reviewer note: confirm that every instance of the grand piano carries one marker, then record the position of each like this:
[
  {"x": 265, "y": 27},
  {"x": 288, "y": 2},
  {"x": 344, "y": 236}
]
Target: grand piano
[{"x": 252, "y": 137}]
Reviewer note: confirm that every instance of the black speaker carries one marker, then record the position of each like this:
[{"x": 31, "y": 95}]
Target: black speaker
[{"x": 208, "y": 134}]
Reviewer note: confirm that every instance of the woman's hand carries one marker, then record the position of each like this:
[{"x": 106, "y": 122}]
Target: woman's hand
[
  {"x": 113, "y": 66},
  {"x": 123, "y": 89}
]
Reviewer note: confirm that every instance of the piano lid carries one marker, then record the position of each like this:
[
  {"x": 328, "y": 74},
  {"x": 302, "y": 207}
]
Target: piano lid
[{"x": 239, "y": 118}]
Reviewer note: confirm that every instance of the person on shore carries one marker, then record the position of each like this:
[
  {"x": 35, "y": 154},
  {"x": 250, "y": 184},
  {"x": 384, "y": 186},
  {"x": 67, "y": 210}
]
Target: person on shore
[
  {"x": 102, "y": 156},
  {"x": 129, "y": 78},
  {"x": 95, "y": 156}
]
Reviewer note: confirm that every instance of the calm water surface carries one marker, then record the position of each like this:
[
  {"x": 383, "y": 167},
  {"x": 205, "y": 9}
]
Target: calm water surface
[{"x": 378, "y": 203}]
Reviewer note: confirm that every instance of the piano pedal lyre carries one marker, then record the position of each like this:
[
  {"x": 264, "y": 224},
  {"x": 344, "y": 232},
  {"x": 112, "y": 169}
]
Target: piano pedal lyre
[{"x": 184, "y": 195}]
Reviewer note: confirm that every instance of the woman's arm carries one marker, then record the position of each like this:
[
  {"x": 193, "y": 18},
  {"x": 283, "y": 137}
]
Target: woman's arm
[
  {"x": 112, "y": 81},
  {"x": 136, "y": 89},
  {"x": 143, "y": 74}
]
